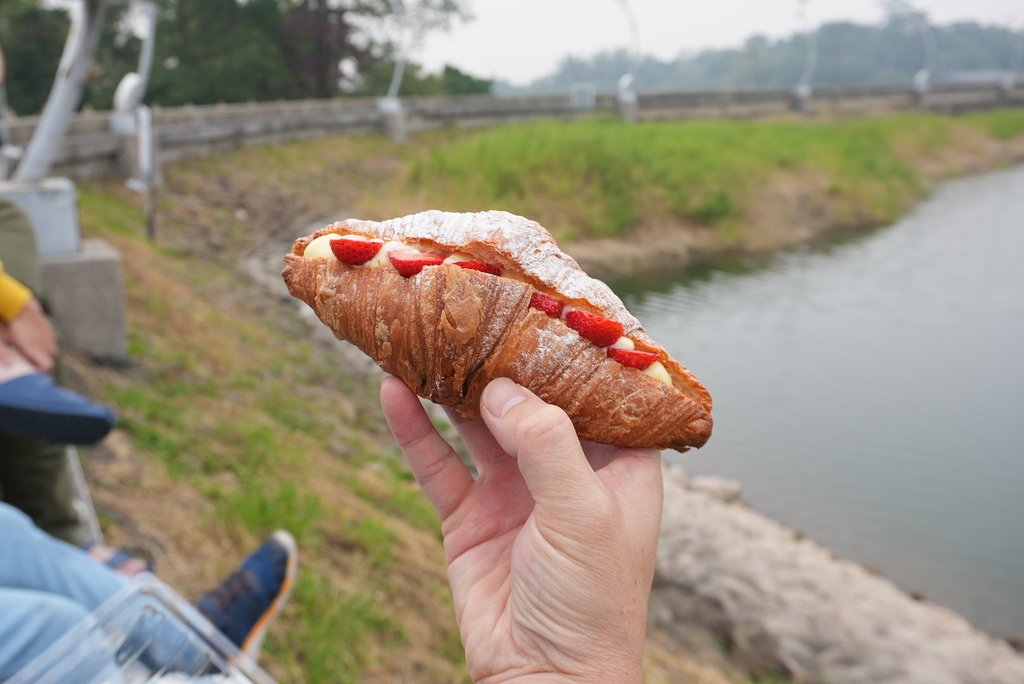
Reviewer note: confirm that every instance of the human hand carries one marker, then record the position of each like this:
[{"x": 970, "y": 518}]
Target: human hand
[
  {"x": 551, "y": 550},
  {"x": 31, "y": 334}
]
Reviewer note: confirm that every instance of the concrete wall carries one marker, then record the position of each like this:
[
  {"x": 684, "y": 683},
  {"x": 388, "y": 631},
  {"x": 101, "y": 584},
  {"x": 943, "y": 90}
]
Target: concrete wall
[{"x": 92, "y": 148}]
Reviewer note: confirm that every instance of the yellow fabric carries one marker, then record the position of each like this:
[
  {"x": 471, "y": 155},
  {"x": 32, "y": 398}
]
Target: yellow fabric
[{"x": 13, "y": 296}]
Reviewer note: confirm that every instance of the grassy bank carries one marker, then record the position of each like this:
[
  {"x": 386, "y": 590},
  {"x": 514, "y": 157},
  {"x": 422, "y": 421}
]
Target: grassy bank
[
  {"x": 623, "y": 197},
  {"x": 603, "y": 178},
  {"x": 235, "y": 420}
]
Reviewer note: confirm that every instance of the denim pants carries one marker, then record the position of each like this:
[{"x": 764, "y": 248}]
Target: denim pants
[{"x": 46, "y": 587}]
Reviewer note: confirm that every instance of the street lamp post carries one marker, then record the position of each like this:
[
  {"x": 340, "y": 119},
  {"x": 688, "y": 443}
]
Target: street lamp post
[
  {"x": 922, "y": 79},
  {"x": 390, "y": 106},
  {"x": 803, "y": 90},
  {"x": 133, "y": 121},
  {"x": 625, "y": 91},
  {"x": 75, "y": 63}
]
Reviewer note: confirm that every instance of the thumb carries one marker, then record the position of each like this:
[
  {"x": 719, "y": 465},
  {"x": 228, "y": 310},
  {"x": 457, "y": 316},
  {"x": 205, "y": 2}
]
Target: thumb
[{"x": 542, "y": 439}]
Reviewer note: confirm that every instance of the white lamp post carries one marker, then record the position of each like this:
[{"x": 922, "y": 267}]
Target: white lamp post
[
  {"x": 133, "y": 120},
  {"x": 625, "y": 91},
  {"x": 922, "y": 79},
  {"x": 803, "y": 90},
  {"x": 75, "y": 63},
  {"x": 390, "y": 106}
]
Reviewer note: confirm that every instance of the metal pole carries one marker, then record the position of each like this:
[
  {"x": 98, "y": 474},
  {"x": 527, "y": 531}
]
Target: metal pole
[
  {"x": 75, "y": 63},
  {"x": 148, "y": 11},
  {"x": 396, "y": 76},
  {"x": 811, "y": 57},
  {"x": 625, "y": 91},
  {"x": 922, "y": 79}
]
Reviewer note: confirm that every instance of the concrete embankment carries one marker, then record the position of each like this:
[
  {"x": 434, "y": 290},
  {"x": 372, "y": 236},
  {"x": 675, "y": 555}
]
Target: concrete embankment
[{"x": 783, "y": 603}]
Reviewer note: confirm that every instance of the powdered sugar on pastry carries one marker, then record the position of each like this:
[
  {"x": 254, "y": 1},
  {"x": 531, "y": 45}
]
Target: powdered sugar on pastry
[{"x": 514, "y": 242}]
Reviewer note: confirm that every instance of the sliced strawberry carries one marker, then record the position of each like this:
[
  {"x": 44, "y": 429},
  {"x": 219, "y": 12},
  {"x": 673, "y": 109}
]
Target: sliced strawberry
[
  {"x": 410, "y": 263},
  {"x": 549, "y": 305},
  {"x": 479, "y": 266},
  {"x": 355, "y": 252},
  {"x": 634, "y": 358},
  {"x": 599, "y": 330}
]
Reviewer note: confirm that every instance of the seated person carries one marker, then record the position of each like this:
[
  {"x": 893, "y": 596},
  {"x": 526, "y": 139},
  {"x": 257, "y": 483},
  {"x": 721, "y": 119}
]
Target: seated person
[
  {"x": 35, "y": 475},
  {"x": 47, "y": 587}
]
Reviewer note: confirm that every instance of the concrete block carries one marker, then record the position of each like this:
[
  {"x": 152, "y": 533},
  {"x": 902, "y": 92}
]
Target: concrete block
[
  {"x": 85, "y": 295},
  {"x": 52, "y": 206}
]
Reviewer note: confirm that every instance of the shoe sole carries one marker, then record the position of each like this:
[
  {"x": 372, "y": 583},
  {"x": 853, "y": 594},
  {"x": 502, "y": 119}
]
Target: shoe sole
[
  {"x": 54, "y": 426},
  {"x": 254, "y": 641}
]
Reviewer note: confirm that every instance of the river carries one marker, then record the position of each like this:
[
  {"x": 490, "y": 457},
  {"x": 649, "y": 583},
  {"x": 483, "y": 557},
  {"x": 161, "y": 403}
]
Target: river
[{"x": 869, "y": 392}]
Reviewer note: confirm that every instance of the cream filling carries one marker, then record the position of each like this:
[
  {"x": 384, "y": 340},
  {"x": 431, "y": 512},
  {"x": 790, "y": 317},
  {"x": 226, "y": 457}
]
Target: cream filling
[
  {"x": 624, "y": 343},
  {"x": 658, "y": 371},
  {"x": 320, "y": 248},
  {"x": 459, "y": 256}
]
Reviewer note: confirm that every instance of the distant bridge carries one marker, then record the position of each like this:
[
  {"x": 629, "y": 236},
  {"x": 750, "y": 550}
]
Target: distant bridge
[{"x": 92, "y": 148}]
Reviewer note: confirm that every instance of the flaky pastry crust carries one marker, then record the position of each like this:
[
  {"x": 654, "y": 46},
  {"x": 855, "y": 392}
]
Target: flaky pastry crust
[{"x": 448, "y": 331}]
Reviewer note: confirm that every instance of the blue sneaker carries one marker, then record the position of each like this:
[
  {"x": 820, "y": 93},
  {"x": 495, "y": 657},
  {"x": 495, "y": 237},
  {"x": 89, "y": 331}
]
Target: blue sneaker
[
  {"x": 34, "y": 405},
  {"x": 245, "y": 603}
]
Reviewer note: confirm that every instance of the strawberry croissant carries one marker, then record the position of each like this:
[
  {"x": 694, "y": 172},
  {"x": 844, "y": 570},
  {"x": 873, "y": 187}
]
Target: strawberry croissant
[{"x": 447, "y": 302}]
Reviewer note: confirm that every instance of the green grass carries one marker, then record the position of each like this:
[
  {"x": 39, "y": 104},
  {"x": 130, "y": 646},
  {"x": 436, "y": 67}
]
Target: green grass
[
  {"x": 601, "y": 177},
  {"x": 1001, "y": 123},
  {"x": 331, "y": 642}
]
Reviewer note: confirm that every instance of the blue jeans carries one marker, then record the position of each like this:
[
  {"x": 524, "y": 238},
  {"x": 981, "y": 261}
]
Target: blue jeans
[{"x": 46, "y": 587}]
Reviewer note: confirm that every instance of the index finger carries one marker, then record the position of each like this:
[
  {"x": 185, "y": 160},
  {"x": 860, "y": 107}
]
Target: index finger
[{"x": 440, "y": 472}]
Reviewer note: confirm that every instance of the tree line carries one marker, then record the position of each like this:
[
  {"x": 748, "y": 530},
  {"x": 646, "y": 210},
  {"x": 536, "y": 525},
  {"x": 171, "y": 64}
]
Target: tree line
[
  {"x": 848, "y": 54},
  {"x": 210, "y": 51}
]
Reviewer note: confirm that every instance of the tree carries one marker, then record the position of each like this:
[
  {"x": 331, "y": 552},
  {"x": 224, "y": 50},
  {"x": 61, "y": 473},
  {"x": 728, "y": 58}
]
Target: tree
[
  {"x": 220, "y": 51},
  {"x": 456, "y": 82},
  {"x": 321, "y": 35},
  {"x": 32, "y": 37},
  {"x": 450, "y": 81}
]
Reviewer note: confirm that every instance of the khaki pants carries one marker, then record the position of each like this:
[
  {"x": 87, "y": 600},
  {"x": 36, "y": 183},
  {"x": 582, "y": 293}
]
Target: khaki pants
[{"x": 34, "y": 475}]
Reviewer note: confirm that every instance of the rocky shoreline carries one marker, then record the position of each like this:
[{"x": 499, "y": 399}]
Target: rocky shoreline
[{"x": 782, "y": 603}]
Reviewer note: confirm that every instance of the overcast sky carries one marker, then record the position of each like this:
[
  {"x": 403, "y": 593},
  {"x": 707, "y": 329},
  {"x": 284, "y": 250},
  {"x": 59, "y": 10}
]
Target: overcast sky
[{"x": 520, "y": 40}]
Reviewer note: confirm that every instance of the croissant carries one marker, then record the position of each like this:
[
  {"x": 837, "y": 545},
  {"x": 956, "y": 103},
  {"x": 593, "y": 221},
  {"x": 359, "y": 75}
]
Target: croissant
[{"x": 447, "y": 302}]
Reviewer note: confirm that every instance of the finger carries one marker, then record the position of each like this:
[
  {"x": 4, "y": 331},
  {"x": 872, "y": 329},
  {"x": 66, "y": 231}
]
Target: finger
[
  {"x": 440, "y": 472},
  {"x": 39, "y": 358},
  {"x": 543, "y": 440},
  {"x": 634, "y": 477},
  {"x": 486, "y": 452}
]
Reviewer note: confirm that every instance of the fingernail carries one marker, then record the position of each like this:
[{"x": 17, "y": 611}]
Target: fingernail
[{"x": 501, "y": 395}]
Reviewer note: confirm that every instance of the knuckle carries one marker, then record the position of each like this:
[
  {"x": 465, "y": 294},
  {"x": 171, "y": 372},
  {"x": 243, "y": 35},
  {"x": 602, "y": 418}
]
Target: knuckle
[
  {"x": 431, "y": 471},
  {"x": 544, "y": 424}
]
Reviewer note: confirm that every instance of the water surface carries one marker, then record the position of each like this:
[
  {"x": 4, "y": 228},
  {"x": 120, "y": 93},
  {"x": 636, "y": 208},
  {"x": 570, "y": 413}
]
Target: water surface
[{"x": 869, "y": 392}]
